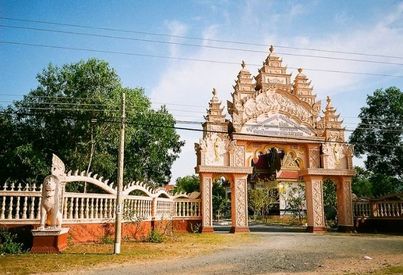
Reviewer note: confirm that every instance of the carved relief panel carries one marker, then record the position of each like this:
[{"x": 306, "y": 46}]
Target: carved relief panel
[{"x": 214, "y": 150}]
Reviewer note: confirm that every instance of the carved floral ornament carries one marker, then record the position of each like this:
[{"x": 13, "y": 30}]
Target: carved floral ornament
[
  {"x": 271, "y": 101},
  {"x": 214, "y": 147}
]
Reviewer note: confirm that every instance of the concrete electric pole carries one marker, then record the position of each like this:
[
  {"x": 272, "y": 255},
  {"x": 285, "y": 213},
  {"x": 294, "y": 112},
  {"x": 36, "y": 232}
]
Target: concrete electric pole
[{"x": 119, "y": 201}]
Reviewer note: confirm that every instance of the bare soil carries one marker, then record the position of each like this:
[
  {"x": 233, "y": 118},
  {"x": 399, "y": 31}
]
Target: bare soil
[{"x": 284, "y": 253}]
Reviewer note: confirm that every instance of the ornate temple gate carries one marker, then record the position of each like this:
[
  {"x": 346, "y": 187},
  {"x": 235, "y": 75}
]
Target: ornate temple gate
[{"x": 271, "y": 114}]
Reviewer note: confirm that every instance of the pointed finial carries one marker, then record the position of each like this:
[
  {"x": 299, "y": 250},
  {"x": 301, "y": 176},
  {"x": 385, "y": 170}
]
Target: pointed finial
[
  {"x": 300, "y": 70},
  {"x": 243, "y": 64},
  {"x": 271, "y": 49},
  {"x": 214, "y": 92},
  {"x": 329, "y": 102}
]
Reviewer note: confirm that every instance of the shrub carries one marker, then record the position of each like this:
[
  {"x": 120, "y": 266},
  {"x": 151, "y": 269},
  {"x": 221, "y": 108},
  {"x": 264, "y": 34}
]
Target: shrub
[
  {"x": 155, "y": 237},
  {"x": 8, "y": 244}
]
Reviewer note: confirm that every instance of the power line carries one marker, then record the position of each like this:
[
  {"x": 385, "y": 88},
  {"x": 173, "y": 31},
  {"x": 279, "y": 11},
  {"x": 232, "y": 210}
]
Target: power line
[
  {"x": 158, "y": 103},
  {"x": 213, "y": 131},
  {"x": 199, "y": 123},
  {"x": 195, "y": 38},
  {"x": 197, "y": 45},
  {"x": 181, "y": 58}
]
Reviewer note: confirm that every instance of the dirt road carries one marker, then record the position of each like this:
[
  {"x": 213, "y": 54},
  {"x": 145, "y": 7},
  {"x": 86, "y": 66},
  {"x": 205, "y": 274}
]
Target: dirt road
[{"x": 279, "y": 252}]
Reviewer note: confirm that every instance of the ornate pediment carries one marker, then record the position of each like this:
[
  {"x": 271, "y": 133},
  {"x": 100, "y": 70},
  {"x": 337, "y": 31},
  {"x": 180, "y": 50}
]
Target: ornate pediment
[
  {"x": 275, "y": 102},
  {"x": 276, "y": 125}
]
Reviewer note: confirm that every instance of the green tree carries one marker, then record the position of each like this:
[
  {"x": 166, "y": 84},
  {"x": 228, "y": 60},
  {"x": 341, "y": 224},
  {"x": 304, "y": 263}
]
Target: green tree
[
  {"x": 379, "y": 137},
  {"x": 187, "y": 184},
  {"x": 74, "y": 113},
  {"x": 221, "y": 202},
  {"x": 361, "y": 184},
  {"x": 257, "y": 201},
  {"x": 330, "y": 201}
]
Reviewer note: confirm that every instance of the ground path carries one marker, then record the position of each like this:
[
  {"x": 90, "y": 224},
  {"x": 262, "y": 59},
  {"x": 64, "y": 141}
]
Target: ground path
[{"x": 283, "y": 252}]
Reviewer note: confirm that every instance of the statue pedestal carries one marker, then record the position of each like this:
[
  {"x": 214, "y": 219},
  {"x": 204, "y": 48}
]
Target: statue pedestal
[{"x": 49, "y": 240}]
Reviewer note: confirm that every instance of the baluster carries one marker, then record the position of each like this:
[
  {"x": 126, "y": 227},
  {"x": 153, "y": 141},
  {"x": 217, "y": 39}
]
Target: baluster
[
  {"x": 76, "y": 208},
  {"x": 65, "y": 208},
  {"x": 87, "y": 210},
  {"x": 81, "y": 215},
  {"x": 3, "y": 207},
  {"x": 108, "y": 208},
  {"x": 39, "y": 208},
  {"x": 91, "y": 208},
  {"x": 71, "y": 205},
  {"x": 102, "y": 208},
  {"x": 113, "y": 208},
  {"x": 10, "y": 209},
  {"x": 25, "y": 208},
  {"x": 96, "y": 208},
  {"x": 17, "y": 209}
]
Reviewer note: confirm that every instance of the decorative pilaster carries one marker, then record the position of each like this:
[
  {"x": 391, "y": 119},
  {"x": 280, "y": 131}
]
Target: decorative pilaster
[
  {"x": 344, "y": 204},
  {"x": 206, "y": 185},
  {"x": 239, "y": 204},
  {"x": 314, "y": 203}
]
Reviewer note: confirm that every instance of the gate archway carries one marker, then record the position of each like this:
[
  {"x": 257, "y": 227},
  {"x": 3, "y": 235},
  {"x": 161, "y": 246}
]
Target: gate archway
[{"x": 273, "y": 115}]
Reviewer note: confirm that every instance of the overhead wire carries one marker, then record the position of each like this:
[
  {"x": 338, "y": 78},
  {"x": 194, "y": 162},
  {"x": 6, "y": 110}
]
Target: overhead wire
[
  {"x": 199, "y": 112},
  {"x": 182, "y": 58},
  {"x": 196, "y": 45},
  {"x": 199, "y": 123},
  {"x": 194, "y": 38}
]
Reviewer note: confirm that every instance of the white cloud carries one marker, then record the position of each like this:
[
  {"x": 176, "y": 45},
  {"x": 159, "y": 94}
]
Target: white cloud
[
  {"x": 175, "y": 28},
  {"x": 190, "y": 83}
]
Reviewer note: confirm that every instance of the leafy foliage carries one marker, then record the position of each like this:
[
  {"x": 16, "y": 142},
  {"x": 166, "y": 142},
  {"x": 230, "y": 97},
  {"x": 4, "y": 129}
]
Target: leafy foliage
[
  {"x": 8, "y": 245},
  {"x": 187, "y": 184},
  {"x": 330, "y": 202},
  {"x": 361, "y": 184},
  {"x": 74, "y": 113},
  {"x": 260, "y": 199},
  {"x": 379, "y": 137},
  {"x": 295, "y": 201},
  {"x": 221, "y": 202}
]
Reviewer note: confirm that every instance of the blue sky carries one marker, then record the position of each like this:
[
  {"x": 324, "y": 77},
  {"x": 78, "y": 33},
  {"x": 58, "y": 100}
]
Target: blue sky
[{"x": 373, "y": 27}]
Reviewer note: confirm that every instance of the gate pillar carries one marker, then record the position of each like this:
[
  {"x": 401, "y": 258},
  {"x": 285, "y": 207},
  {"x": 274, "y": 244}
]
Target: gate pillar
[
  {"x": 206, "y": 185},
  {"x": 344, "y": 204},
  {"x": 239, "y": 204},
  {"x": 314, "y": 203}
]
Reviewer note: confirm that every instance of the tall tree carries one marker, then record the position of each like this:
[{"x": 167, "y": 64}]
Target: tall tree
[
  {"x": 379, "y": 136},
  {"x": 187, "y": 184},
  {"x": 74, "y": 113}
]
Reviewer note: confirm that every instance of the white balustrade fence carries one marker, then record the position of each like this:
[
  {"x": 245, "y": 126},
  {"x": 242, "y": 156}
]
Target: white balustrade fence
[
  {"x": 20, "y": 204},
  {"x": 378, "y": 209}
]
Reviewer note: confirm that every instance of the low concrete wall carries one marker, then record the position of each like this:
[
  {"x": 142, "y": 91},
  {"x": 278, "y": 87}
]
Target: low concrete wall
[{"x": 379, "y": 226}]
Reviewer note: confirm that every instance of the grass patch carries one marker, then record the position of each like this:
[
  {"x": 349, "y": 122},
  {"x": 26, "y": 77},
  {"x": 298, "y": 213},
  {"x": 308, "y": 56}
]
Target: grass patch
[
  {"x": 85, "y": 256},
  {"x": 390, "y": 270}
]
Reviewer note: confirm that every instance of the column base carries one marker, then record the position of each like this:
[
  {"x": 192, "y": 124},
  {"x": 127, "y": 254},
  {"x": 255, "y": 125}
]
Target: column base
[
  {"x": 316, "y": 229},
  {"x": 346, "y": 228},
  {"x": 207, "y": 229},
  {"x": 237, "y": 229},
  {"x": 49, "y": 240}
]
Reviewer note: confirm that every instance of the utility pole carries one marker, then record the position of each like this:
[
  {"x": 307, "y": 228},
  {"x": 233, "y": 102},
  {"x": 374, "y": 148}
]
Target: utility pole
[{"x": 119, "y": 204}]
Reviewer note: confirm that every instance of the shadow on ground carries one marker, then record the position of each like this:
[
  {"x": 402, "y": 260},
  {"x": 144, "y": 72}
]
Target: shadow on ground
[{"x": 264, "y": 228}]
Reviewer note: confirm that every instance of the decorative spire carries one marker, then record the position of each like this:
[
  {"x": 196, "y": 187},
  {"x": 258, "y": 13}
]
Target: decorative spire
[
  {"x": 215, "y": 112},
  {"x": 303, "y": 89},
  {"x": 271, "y": 49},
  {"x": 332, "y": 120},
  {"x": 243, "y": 64},
  {"x": 329, "y": 106}
]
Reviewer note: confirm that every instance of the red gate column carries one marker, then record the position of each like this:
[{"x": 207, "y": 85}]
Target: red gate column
[
  {"x": 239, "y": 204},
  {"x": 206, "y": 185},
  {"x": 314, "y": 203},
  {"x": 344, "y": 204}
]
